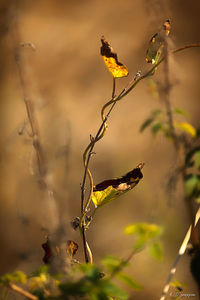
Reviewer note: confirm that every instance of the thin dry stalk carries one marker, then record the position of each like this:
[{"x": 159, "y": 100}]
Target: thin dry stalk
[{"x": 21, "y": 291}]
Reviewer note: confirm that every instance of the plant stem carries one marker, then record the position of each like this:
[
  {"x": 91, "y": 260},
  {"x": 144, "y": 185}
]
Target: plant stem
[
  {"x": 21, "y": 291},
  {"x": 86, "y": 159},
  {"x": 180, "y": 254},
  {"x": 101, "y": 131}
]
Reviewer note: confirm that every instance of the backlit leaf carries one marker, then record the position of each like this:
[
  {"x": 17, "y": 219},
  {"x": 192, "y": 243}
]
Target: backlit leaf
[
  {"x": 156, "y": 127},
  {"x": 153, "y": 88},
  {"x": 187, "y": 127},
  {"x": 110, "y": 189},
  {"x": 157, "y": 43},
  {"x": 113, "y": 263},
  {"x": 109, "y": 56},
  {"x": 191, "y": 159},
  {"x": 114, "y": 291},
  {"x": 144, "y": 230},
  {"x": 180, "y": 111},
  {"x": 128, "y": 280},
  {"x": 192, "y": 184},
  {"x": 146, "y": 124},
  {"x": 156, "y": 250},
  {"x": 18, "y": 277}
]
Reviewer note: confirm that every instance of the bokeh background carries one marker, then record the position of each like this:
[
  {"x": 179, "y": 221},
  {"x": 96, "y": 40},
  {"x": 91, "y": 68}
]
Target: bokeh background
[{"x": 68, "y": 84}]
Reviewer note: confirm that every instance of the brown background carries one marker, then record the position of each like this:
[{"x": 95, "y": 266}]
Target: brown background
[{"x": 68, "y": 84}]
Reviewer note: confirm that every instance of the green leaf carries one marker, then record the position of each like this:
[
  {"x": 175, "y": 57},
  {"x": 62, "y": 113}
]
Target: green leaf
[
  {"x": 196, "y": 158},
  {"x": 149, "y": 121},
  {"x": 156, "y": 128},
  {"x": 113, "y": 263},
  {"x": 18, "y": 277},
  {"x": 140, "y": 244},
  {"x": 177, "y": 284},
  {"x": 192, "y": 183},
  {"x": 39, "y": 271},
  {"x": 128, "y": 280},
  {"x": 152, "y": 88},
  {"x": 187, "y": 127},
  {"x": 114, "y": 291},
  {"x": 146, "y": 124},
  {"x": 91, "y": 271},
  {"x": 144, "y": 230},
  {"x": 155, "y": 49},
  {"x": 156, "y": 250},
  {"x": 189, "y": 160},
  {"x": 180, "y": 111}
]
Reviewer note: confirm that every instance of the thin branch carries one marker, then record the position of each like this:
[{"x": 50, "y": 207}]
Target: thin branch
[
  {"x": 102, "y": 129},
  {"x": 22, "y": 292},
  {"x": 166, "y": 97},
  {"x": 86, "y": 159},
  {"x": 30, "y": 114},
  {"x": 180, "y": 254}
]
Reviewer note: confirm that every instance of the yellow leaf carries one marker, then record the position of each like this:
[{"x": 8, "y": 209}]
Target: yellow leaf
[
  {"x": 110, "y": 189},
  {"x": 187, "y": 127},
  {"x": 109, "y": 56}
]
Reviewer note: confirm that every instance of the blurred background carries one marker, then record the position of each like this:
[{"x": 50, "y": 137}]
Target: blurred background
[{"x": 68, "y": 84}]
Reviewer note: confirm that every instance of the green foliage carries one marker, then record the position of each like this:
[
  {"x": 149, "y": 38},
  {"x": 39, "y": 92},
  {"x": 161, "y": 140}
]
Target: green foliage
[
  {"x": 153, "y": 117},
  {"x": 180, "y": 111},
  {"x": 192, "y": 157},
  {"x": 129, "y": 281},
  {"x": 17, "y": 277},
  {"x": 40, "y": 270},
  {"x": 192, "y": 185},
  {"x": 113, "y": 264},
  {"x": 156, "y": 250},
  {"x": 92, "y": 284},
  {"x": 146, "y": 236}
]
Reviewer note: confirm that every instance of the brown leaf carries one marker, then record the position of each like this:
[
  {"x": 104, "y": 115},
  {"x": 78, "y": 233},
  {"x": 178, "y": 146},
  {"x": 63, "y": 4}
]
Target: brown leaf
[
  {"x": 125, "y": 182},
  {"x": 48, "y": 253},
  {"x": 72, "y": 248}
]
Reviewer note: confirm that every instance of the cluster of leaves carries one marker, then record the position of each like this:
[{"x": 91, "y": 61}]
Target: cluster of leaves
[
  {"x": 157, "y": 121},
  {"x": 89, "y": 281}
]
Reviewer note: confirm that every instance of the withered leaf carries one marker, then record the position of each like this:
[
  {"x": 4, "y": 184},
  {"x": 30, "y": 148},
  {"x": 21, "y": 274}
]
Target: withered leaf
[
  {"x": 110, "y": 58},
  {"x": 72, "y": 248},
  {"x": 156, "y": 44},
  {"x": 48, "y": 253},
  {"x": 108, "y": 190}
]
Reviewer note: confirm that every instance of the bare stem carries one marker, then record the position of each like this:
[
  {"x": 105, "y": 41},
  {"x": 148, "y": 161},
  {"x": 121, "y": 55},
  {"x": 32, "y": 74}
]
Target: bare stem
[
  {"x": 180, "y": 254},
  {"x": 21, "y": 291},
  {"x": 86, "y": 159}
]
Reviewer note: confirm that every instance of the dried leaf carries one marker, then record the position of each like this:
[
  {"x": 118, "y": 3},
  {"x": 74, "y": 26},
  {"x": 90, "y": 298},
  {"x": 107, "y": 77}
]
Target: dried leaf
[
  {"x": 109, "y": 56},
  {"x": 48, "y": 253},
  {"x": 72, "y": 248},
  {"x": 110, "y": 189},
  {"x": 157, "y": 43}
]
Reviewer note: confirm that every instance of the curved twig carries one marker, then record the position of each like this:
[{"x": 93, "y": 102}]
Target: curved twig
[{"x": 102, "y": 129}]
